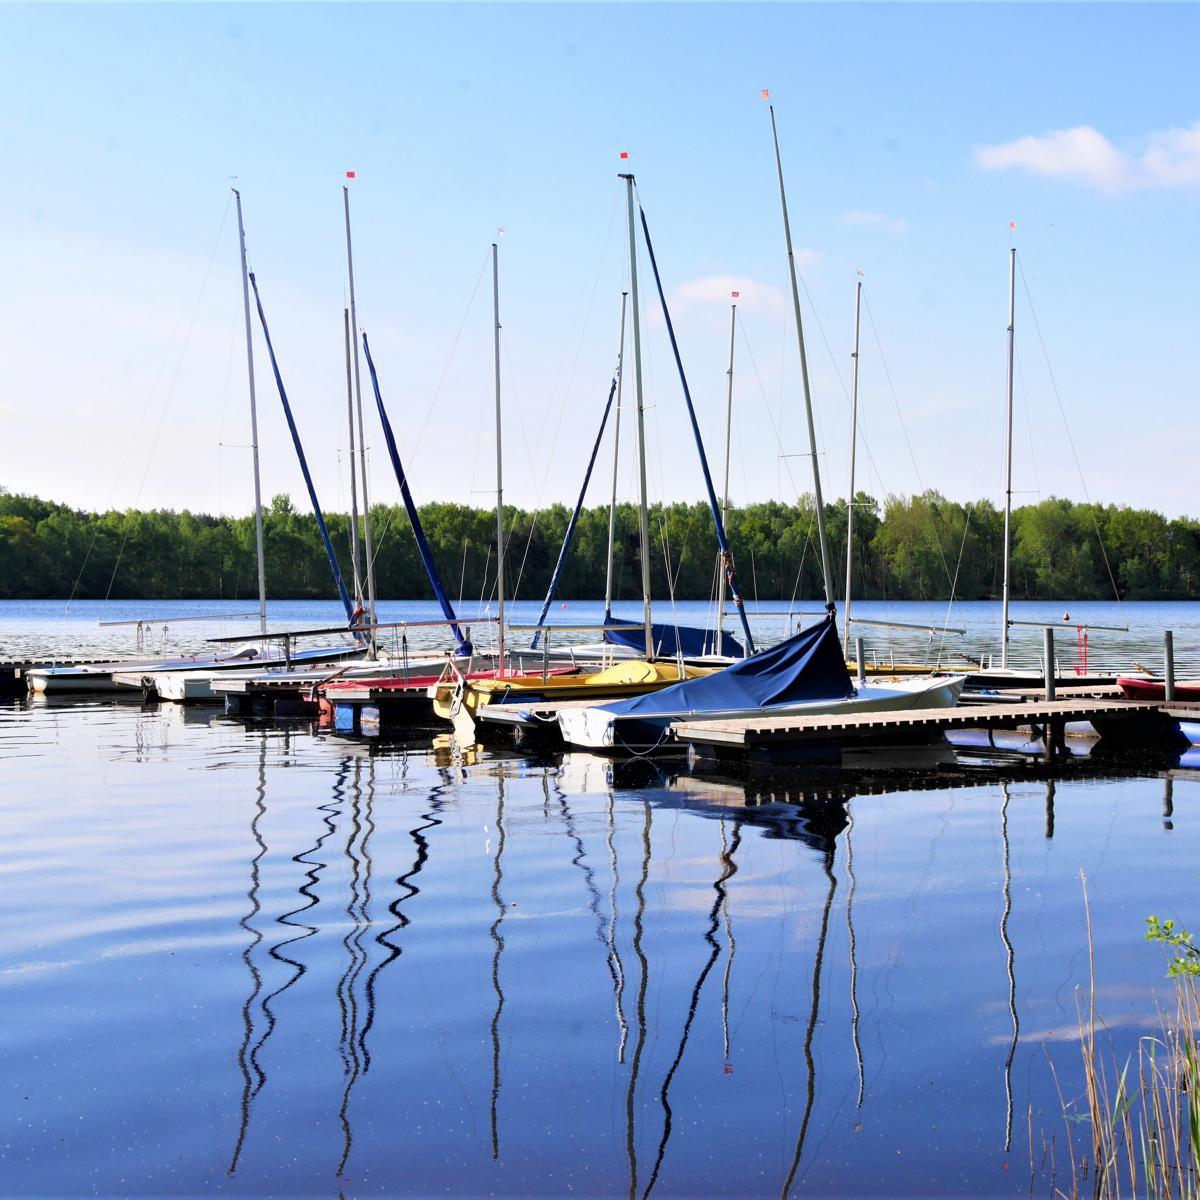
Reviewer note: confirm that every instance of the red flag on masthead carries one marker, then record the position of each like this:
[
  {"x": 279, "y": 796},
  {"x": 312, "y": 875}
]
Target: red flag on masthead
[
  {"x": 765, "y": 94},
  {"x": 735, "y": 295},
  {"x": 351, "y": 174},
  {"x": 624, "y": 153}
]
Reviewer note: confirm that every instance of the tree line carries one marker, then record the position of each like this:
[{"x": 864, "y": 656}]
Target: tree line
[{"x": 908, "y": 547}]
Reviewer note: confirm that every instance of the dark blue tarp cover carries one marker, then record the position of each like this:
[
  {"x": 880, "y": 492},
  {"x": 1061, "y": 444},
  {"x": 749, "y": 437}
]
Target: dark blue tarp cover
[
  {"x": 809, "y": 666},
  {"x": 672, "y": 640}
]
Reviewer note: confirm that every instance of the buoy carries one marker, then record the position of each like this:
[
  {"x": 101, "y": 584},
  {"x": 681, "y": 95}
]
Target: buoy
[{"x": 1066, "y": 616}]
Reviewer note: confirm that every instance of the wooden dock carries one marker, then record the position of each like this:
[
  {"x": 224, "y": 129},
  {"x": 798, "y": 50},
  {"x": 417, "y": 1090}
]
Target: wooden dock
[{"x": 912, "y": 724}]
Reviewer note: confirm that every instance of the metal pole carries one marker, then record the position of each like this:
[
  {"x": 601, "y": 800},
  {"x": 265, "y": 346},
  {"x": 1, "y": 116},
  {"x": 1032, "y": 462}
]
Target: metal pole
[
  {"x": 812, "y": 432},
  {"x": 861, "y": 659},
  {"x": 725, "y": 494},
  {"x": 258, "y": 516},
  {"x": 358, "y": 590},
  {"x": 853, "y": 448},
  {"x": 641, "y": 423},
  {"x": 499, "y": 459},
  {"x": 1008, "y": 439},
  {"x": 1169, "y": 673},
  {"x": 612, "y": 505},
  {"x": 1048, "y": 651},
  {"x": 362, "y": 439}
]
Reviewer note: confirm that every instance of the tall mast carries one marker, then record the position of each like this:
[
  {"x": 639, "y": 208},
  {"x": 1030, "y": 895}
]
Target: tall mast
[
  {"x": 258, "y": 515},
  {"x": 641, "y": 423},
  {"x": 499, "y": 459},
  {"x": 362, "y": 439},
  {"x": 812, "y": 433},
  {"x": 725, "y": 493},
  {"x": 358, "y": 590},
  {"x": 612, "y": 505},
  {"x": 853, "y": 448},
  {"x": 1008, "y": 434}
]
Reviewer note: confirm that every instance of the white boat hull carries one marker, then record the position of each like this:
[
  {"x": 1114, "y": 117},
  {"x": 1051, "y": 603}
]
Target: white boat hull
[{"x": 597, "y": 729}]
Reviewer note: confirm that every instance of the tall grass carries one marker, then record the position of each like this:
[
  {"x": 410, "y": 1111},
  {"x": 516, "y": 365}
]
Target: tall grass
[{"x": 1142, "y": 1117}]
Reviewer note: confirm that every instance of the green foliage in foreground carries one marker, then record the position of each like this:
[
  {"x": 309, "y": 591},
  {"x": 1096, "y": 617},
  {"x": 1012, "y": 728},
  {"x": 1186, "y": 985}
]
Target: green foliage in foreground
[
  {"x": 1187, "y": 954},
  {"x": 910, "y": 547}
]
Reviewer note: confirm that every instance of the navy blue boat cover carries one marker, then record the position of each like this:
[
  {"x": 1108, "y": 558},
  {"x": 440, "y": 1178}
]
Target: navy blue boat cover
[
  {"x": 808, "y": 666},
  {"x": 670, "y": 641}
]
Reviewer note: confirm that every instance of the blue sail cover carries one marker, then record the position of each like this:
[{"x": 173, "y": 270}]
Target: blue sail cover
[
  {"x": 808, "y": 666},
  {"x": 671, "y": 641}
]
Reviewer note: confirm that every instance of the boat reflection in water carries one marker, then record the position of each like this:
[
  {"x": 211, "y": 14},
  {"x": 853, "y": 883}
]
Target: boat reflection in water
[{"x": 487, "y": 971}]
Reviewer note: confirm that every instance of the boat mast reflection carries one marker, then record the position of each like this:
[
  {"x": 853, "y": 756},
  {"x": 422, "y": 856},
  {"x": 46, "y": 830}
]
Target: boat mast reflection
[
  {"x": 728, "y": 870},
  {"x": 639, "y": 928},
  {"x": 1011, "y": 967},
  {"x": 813, "y": 1015},
  {"x": 498, "y": 942}
]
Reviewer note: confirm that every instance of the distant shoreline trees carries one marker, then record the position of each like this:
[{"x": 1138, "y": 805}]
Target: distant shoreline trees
[{"x": 910, "y": 547}]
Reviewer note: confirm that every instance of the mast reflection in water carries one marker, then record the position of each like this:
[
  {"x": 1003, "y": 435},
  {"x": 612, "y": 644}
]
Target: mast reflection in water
[{"x": 401, "y": 969}]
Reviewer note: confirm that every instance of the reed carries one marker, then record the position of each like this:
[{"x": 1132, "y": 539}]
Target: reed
[{"x": 1142, "y": 1115}]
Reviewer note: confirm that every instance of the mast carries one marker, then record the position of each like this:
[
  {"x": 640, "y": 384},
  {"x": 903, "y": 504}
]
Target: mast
[
  {"x": 612, "y": 506},
  {"x": 641, "y": 422},
  {"x": 258, "y": 515},
  {"x": 812, "y": 433},
  {"x": 499, "y": 460},
  {"x": 725, "y": 493},
  {"x": 1008, "y": 434},
  {"x": 853, "y": 448},
  {"x": 358, "y": 590},
  {"x": 362, "y": 439}
]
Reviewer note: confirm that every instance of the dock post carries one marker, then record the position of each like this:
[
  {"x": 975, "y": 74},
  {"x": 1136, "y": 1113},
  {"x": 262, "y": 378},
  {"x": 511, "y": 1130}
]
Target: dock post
[
  {"x": 1169, "y": 672},
  {"x": 861, "y": 660},
  {"x": 1048, "y": 651}
]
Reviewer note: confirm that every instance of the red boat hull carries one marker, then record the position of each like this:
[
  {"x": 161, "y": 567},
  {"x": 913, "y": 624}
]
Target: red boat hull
[{"x": 1155, "y": 689}]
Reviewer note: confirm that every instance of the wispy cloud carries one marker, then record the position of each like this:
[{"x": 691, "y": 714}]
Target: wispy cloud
[
  {"x": 878, "y": 220},
  {"x": 1168, "y": 159},
  {"x": 719, "y": 289}
]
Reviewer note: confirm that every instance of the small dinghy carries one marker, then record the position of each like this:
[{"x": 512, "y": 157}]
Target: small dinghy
[{"x": 1138, "y": 688}]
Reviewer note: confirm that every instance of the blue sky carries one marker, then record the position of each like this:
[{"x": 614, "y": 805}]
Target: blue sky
[{"x": 911, "y": 135}]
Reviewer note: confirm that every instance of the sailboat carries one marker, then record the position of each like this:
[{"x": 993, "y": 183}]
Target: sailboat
[
  {"x": 457, "y": 699},
  {"x": 803, "y": 674},
  {"x": 137, "y": 673}
]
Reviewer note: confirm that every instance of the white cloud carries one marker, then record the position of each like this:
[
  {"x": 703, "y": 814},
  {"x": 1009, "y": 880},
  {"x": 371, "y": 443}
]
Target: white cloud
[
  {"x": 719, "y": 289},
  {"x": 1171, "y": 158},
  {"x": 878, "y": 220}
]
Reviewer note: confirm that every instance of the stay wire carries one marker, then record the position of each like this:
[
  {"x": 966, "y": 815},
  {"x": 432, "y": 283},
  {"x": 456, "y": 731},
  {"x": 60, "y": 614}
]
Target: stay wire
[
  {"x": 170, "y": 394},
  {"x": 1067, "y": 429}
]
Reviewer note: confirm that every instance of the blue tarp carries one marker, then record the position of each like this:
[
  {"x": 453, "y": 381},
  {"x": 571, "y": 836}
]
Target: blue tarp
[
  {"x": 672, "y": 640},
  {"x": 809, "y": 666}
]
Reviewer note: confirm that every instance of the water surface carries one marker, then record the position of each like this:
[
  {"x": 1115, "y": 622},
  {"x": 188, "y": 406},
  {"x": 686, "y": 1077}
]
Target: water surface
[{"x": 243, "y": 961}]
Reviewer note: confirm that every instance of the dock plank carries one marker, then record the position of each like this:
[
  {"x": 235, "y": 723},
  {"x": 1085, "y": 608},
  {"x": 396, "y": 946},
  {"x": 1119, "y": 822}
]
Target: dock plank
[{"x": 758, "y": 730}]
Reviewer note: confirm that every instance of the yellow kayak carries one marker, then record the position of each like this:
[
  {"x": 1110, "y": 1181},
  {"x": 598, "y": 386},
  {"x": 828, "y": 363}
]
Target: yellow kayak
[{"x": 457, "y": 700}]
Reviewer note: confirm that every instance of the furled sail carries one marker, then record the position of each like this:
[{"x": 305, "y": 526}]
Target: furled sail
[
  {"x": 414, "y": 519},
  {"x": 343, "y": 595}
]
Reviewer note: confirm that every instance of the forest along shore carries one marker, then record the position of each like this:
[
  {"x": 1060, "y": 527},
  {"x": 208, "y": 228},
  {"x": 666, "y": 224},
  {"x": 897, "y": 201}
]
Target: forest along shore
[{"x": 907, "y": 548}]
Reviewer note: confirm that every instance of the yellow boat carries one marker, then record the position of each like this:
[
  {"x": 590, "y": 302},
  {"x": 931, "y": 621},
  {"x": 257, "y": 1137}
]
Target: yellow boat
[{"x": 457, "y": 700}]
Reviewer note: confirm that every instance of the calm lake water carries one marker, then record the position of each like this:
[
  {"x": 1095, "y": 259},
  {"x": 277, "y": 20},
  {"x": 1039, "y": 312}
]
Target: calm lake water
[
  {"x": 39, "y": 627},
  {"x": 250, "y": 961}
]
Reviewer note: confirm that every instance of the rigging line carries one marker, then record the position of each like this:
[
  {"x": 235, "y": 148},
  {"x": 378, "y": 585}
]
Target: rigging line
[
  {"x": 587, "y": 316},
  {"x": 837, "y": 370},
  {"x": 1067, "y": 429},
  {"x": 782, "y": 458},
  {"x": 378, "y": 546},
  {"x": 903, "y": 426},
  {"x": 1037, "y": 483},
  {"x": 162, "y": 418}
]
